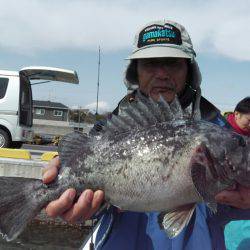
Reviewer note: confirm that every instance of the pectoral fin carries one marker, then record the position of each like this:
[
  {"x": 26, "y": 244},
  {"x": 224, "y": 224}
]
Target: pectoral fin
[{"x": 173, "y": 222}]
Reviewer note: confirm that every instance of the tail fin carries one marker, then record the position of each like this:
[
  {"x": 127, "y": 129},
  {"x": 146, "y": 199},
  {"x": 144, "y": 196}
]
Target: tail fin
[{"x": 20, "y": 201}]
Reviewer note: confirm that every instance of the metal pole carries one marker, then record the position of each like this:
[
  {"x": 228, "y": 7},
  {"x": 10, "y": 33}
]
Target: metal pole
[
  {"x": 79, "y": 118},
  {"x": 98, "y": 80}
]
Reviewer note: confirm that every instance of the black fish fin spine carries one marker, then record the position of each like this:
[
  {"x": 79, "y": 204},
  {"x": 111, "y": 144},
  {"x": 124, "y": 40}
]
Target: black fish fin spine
[
  {"x": 145, "y": 112},
  {"x": 21, "y": 200}
]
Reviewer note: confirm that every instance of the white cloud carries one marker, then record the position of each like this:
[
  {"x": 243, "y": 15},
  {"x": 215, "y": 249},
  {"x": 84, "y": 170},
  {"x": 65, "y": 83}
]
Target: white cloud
[
  {"x": 102, "y": 107},
  {"x": 220, "y": 26}
]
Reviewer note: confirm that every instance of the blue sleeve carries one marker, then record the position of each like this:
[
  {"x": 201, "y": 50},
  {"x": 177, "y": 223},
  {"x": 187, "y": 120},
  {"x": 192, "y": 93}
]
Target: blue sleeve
[
  {"x": 221, "y": 121},
  {"x": 227, "y": 213}
]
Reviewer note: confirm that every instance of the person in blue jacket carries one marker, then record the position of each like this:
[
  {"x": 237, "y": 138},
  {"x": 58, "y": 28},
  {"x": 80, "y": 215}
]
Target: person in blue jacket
[{"x": 162, "y": 63}]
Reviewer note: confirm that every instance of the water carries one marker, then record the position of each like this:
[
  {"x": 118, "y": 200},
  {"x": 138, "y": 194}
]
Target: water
[{"x": 49, "y": 235}]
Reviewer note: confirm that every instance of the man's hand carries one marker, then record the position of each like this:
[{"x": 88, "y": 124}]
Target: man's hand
[
  {"x": 239, "y": 197},
  {"x": 87, "y": 204}
]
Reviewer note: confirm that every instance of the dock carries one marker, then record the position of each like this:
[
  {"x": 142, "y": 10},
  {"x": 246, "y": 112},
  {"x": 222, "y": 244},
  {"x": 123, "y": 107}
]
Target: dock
[{"x": 19, "y": 163}]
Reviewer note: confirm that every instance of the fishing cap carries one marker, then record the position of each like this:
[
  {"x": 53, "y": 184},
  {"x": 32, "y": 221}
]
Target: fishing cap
[{"x": 163, "y": 38}]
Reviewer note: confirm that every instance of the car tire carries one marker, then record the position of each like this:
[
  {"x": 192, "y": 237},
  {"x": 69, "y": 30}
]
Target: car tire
[
  {"x": 16, "y": 144},
  {"x": 5, "y": 139}
]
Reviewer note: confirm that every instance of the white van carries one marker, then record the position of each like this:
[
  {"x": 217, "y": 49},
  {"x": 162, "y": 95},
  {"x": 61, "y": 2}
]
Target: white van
[{"x": 16, "y": 100}]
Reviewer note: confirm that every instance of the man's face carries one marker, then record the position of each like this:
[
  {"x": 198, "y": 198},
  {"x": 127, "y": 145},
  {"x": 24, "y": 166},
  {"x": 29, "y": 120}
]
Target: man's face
[
  {"x": 162, "y": 76},
  {"x": 243, "y": 121}
]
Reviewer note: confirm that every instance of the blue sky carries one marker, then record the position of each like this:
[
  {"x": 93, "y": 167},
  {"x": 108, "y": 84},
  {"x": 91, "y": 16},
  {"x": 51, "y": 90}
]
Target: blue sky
[{"x": 67, "y": 34}]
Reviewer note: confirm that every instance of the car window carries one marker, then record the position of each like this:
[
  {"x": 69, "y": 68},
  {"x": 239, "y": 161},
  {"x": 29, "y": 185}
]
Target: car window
[{"x": 3, "y": 86}]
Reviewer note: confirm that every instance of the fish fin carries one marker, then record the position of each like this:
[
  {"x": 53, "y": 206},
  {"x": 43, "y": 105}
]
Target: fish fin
[
  {"x": 165, "y": 109},
  {"x": 119, "y": 124},
  {"x": 173, "y": 222},
  {"x": 144, "y": 112},
  {"x": 188, "y": 112},
  {"x": 198, "y": 174},
  {"x": 212, "y": 206},
  {"x": 72, "y": 143},
  {"x": 176, "y": 109},
  {"x": 21, "y": 200},
  {"x": 135, "y": 114}
]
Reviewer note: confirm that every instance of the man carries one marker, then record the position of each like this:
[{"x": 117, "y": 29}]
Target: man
[{"x": 162, "y": 63}]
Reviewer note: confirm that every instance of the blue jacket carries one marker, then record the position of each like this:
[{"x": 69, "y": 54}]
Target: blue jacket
[{"x": 137, "y": 231}]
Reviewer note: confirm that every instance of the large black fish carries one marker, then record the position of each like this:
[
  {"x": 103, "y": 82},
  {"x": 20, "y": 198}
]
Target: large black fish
[{"x": 152, "y": 157}]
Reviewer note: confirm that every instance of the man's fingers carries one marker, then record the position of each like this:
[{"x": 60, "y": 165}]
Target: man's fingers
[
  {"x": 96, "y": 203},
  {"x": 87, "y": 204},
  {"x": 55, "y": 162},
  {"x": 59, "y": 206},
  {"x": 226, "y": 196},
  {"x": 51, "y": 171},
  {"x": 80, "y": 208},
  {"x": 49, "y": 174},
  {"x": 233, "y": 198}
]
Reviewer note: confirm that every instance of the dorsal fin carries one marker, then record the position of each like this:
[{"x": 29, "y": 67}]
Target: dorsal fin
[
  {"x": 72, "y": 143},
  {"x": 144, "y": 112},
  {"x": 167, "y": 114},
  {"x": 176, "y": 109},
  {"x": 155, "y": 109}
]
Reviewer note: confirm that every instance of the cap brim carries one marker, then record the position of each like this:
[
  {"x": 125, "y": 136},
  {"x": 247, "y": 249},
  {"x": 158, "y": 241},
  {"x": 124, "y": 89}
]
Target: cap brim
[{"x": 161, "y": 51}]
